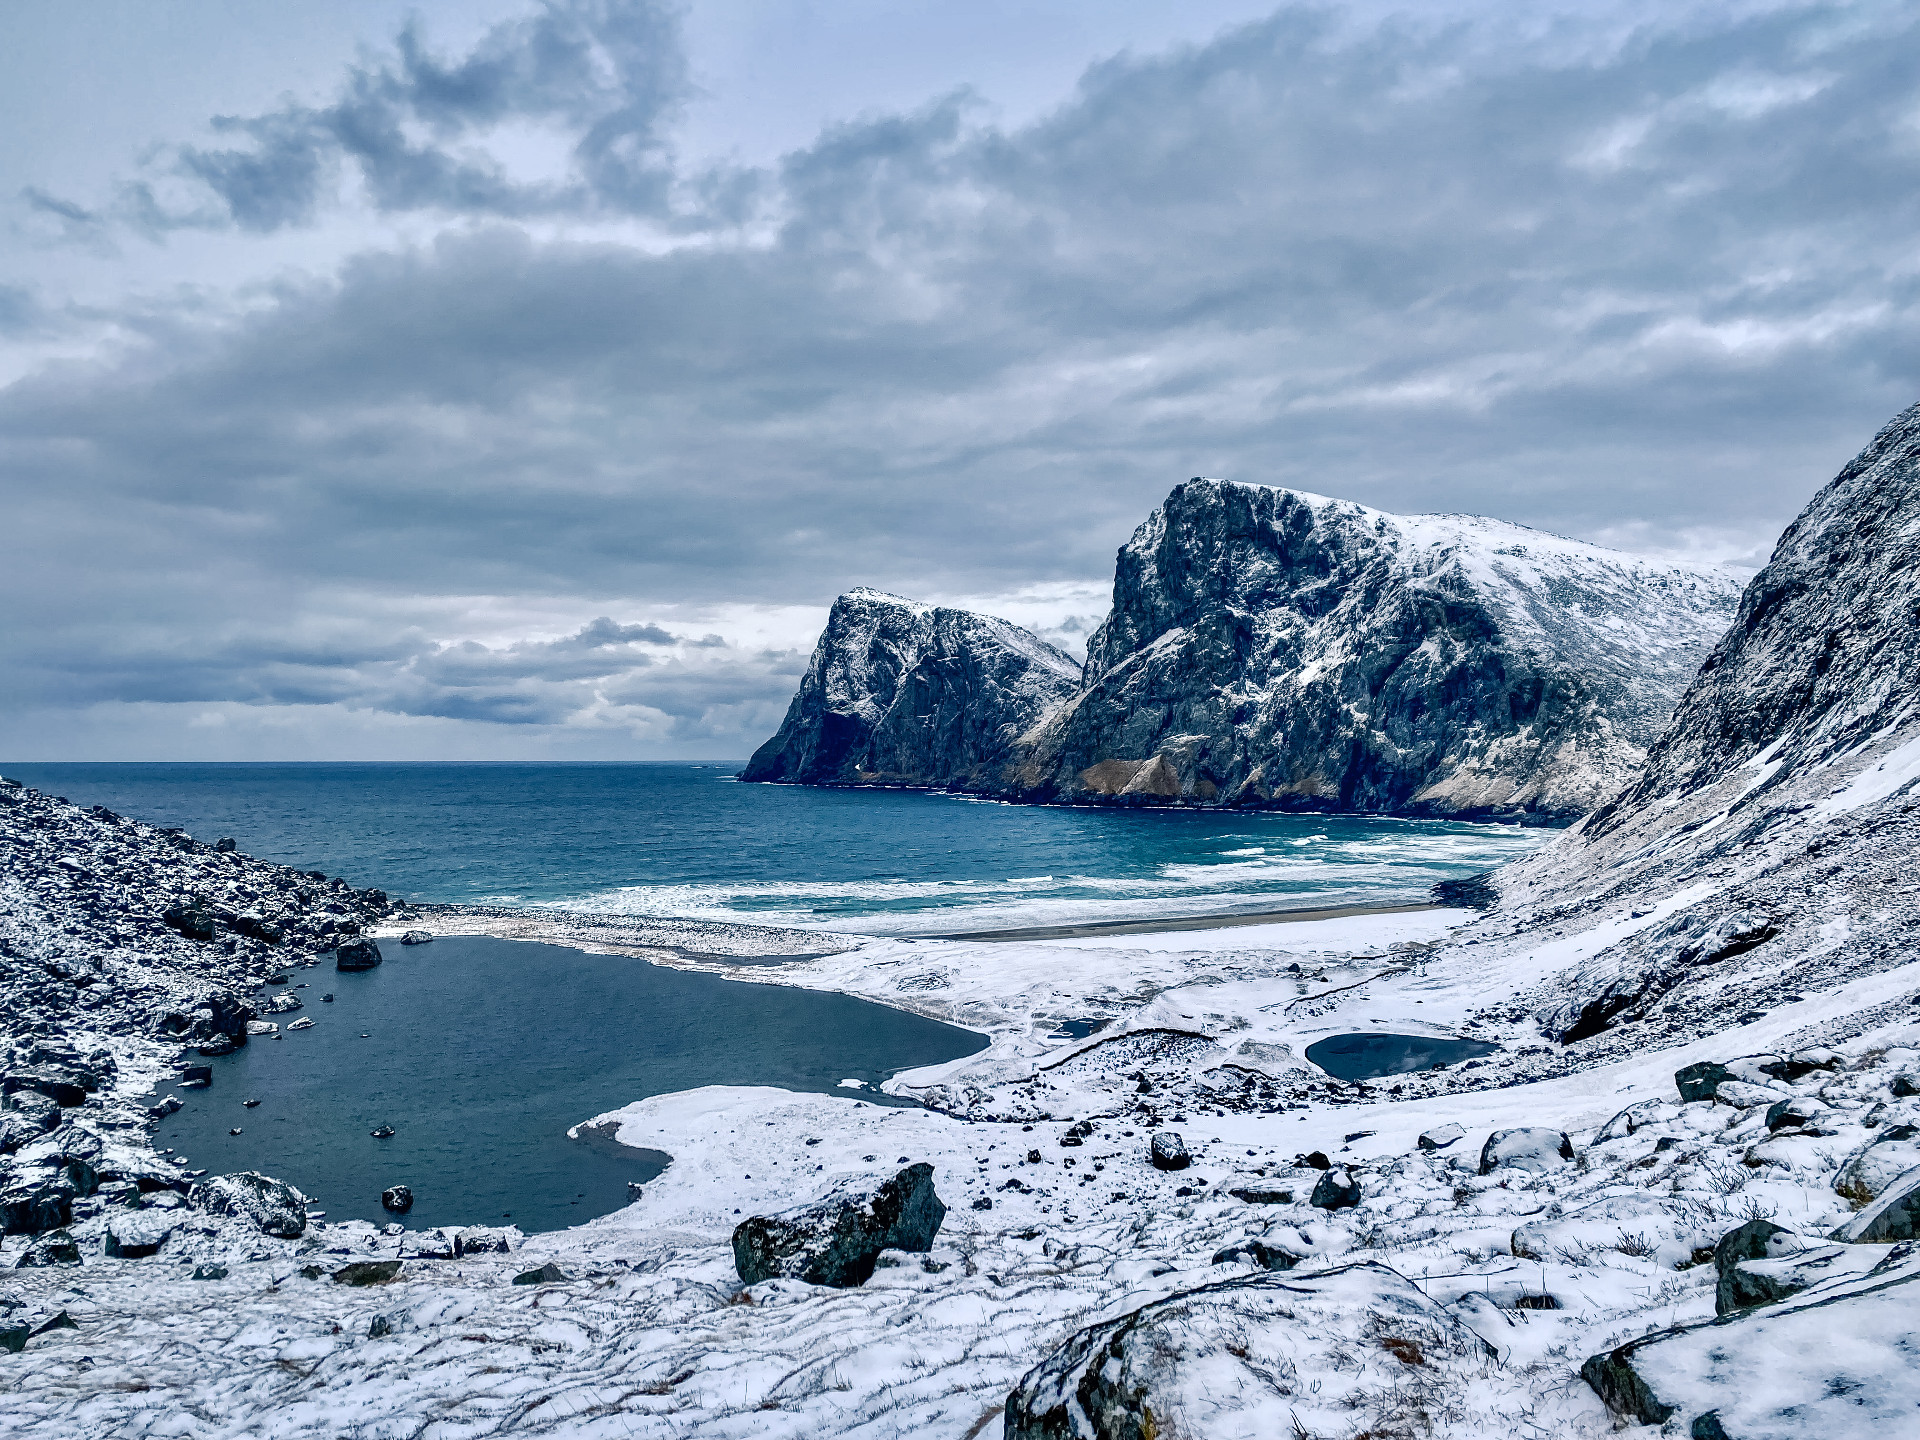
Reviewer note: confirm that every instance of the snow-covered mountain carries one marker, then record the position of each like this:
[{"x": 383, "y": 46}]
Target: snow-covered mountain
[
  {"x": 900, "y": 693},
  {"x": 1276, "y": 648},
  {"x": 1767, "y": 848}
]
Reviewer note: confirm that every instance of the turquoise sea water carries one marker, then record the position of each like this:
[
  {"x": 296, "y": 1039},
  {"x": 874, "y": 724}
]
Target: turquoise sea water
[{"x": 676, "y": 839}]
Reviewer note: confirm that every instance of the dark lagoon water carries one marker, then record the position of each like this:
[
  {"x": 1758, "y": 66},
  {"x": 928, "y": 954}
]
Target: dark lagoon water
[
  {"x": 481, "y": 1053},
  {"x": 675, "y": 839},
  {"x": 1370, "y": 1056}
]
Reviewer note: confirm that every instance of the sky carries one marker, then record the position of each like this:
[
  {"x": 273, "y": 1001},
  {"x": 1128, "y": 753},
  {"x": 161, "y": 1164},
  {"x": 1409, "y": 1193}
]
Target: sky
[{"x": 523, "y": 381}]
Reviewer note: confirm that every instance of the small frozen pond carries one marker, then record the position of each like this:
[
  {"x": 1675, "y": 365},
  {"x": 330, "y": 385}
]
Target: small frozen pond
[
  {"x": 480, "y": 1053},
  {"x": 1369, "y": 1056}
]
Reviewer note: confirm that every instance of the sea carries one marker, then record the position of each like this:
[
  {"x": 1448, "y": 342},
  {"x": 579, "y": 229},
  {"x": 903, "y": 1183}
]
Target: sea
[
  {"x": 690, "y": 840},
  {"x": 484, "y": 1056}
]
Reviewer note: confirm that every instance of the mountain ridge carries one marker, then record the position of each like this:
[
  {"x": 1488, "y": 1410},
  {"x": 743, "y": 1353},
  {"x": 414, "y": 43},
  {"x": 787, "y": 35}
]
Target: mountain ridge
[{"x": 1279, "y": 649}]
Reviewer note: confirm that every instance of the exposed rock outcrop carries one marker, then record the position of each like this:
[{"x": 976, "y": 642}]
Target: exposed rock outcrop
[
  {"x": 900, "y": 693},
  {"x": 1270, "y": 647}
]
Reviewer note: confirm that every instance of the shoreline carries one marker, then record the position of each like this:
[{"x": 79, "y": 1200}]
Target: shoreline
[{"x": 1175, "y": 924}]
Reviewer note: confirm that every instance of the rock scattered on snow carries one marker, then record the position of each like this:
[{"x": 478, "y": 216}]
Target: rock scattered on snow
[
  {"x": 272, "y": 1205},
  {"x": 1168, "y": 1151},
  {"x": 836, "y": 1241},
  {"x": 1530, "y": 1147}
]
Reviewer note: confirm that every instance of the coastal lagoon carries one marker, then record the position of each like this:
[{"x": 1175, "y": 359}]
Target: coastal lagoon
[
  {"x": 481, "y": 1053},
  {"x": 688, "y": 840}
]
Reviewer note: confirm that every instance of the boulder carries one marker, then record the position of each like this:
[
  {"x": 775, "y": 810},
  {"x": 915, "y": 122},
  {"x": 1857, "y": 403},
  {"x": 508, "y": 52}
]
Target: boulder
[
  {"x": 1755, "y": 1240},
  {"x": 416, "y": 937},
  {"x": 1168, "y": 1151},
  {"x": 166, "y": 1107},
  {"x": 191, "y": 918},
  {"x": 1776, "y": 1370},
  {"x": 1702, "y": 1080},
  {"x": 1259, "y": 1254},
  {"x": 15, "y": 1131},
  {"x": 36, "y": 1109},
  {"x": 486, "y": 1240},
  {"x": 273, "y": 1205},
  {"x": 136, "y": 1234},
  {"x": 1628, "y": 1121},
  {"x": 1336, "y": 1190},
  {"x": 1799, "y": 1113},
  {"x": 435, "y": 1244},
  {"x": 1893, "y": 1217},
  {"x": 65, "y": 1088},
  {"x": 837, "y": 1240},
  {"x": 366, "y": 1272},
  {"x": 1871, "y": 1170},
  {"x": 397, "y": 1198},
  {"x": 1262, "y": 1194},
  {"x": 38, "y": 1201},
  {"x": 358, "y": 954},
  {"x": 1535, "y": 1148},
  {"x": 1905, "y": 1084},
  {"x": 1261, "y": 1354},
  {"x": 1440, "y": 1137},
  {"x": 56, "y": 1247},
  {"x": 212, "y": 1270},
  {"x": 1739, "y": 1095},
  {"x": 547, "y": 1274}
]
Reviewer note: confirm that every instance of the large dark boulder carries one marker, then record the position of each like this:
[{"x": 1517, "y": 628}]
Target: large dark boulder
[
  {"x": 366, "y": 1272},
  {"x": 837, "y": 1240},
  {"x": 397, "y": 1198},
  {"x": 1739, "y": 1288},
  {"x": 1335, "y": 1190},
  {"x": 65, "y": 1088},
  {"x": 361, "y": 954},
  {"x": 36, "y": 1202},
  {"x": 1168, "y": 1151},
  {"x": 273, "y": 1205}
]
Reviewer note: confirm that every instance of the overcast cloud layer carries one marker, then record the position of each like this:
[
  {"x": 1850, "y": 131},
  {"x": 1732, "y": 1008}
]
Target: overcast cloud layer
[{"x": 540, "y": 438}]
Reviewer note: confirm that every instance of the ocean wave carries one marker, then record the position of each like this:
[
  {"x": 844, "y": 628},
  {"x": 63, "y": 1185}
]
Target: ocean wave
[{"x": 1335, "y": 873}]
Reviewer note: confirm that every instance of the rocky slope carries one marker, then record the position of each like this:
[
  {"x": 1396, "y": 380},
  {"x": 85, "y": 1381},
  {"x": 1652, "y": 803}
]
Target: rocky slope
[
  {"x": 1274, "y": 648},
  {"x": 1767, "y": 850},
  {"x": 900, "y": 693}
]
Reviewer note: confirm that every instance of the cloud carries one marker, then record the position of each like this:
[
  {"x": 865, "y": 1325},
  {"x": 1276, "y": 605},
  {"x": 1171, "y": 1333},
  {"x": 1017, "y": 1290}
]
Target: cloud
[
  {"x": 1651, "y": 282},
  {"x": 602, "y": 79}
]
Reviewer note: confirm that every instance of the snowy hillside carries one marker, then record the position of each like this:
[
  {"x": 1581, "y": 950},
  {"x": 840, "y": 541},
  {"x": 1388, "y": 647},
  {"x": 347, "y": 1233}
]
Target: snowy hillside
[{"x": 1273, "y": 647}]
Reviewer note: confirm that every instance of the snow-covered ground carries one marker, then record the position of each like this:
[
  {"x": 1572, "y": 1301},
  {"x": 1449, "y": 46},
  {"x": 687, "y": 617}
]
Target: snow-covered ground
[{"x": 652, "y": 1333}]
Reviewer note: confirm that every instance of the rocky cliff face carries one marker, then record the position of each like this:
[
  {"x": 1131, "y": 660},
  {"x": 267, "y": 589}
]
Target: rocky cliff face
[
  {"x": 1765, "y": 853},
  {"x": 900, "y": 693},
  {"x": 1279, "y": 649}
]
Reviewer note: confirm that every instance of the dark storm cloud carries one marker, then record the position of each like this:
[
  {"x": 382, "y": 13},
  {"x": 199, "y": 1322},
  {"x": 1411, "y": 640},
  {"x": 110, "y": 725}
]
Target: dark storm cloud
[{"x": 1649, "y": 288}]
